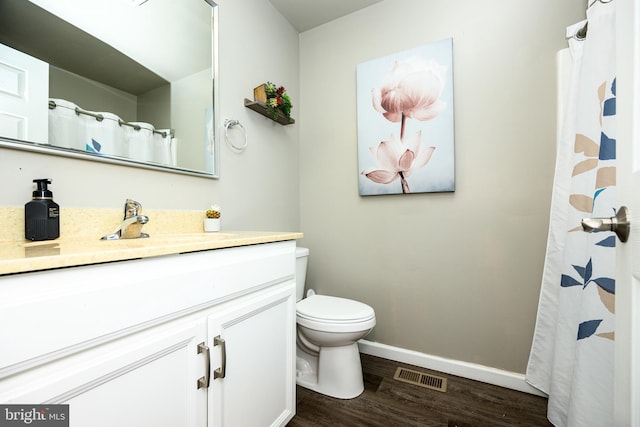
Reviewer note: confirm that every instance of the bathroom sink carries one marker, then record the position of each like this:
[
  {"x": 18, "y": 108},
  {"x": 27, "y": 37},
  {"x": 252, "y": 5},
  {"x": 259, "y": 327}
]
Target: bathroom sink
[
  {"x": 175, "y": 239},
  {"x": 190, "y": 237}
]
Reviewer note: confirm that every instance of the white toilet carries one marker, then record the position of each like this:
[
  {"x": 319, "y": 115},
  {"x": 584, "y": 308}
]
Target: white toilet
[{"x": 328, "y": 328}]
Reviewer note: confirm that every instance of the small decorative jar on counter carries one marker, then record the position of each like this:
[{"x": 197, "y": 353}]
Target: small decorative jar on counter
[{"x": 211, "y": 224}]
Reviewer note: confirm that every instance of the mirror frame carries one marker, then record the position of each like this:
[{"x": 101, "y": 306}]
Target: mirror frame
[{"x": 40, "y": 148}]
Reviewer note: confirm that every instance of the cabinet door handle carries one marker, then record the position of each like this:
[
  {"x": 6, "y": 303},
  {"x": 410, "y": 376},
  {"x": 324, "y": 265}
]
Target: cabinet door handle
[
  {"x": 203, "y": 382},
  {"x": 220, "y": 372}
]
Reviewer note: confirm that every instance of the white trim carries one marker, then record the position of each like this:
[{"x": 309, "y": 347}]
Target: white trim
[{"x": 472, "y": 371}]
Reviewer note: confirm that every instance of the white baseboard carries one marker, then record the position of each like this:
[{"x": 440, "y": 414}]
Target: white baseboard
[{"x": 486, "y": 374}]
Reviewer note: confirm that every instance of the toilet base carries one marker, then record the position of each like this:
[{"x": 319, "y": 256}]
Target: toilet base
[{"x": 335, "y": 371}]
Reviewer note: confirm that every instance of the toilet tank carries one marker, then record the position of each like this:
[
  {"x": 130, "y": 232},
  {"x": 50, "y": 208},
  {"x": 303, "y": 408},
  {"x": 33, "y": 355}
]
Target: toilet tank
[{"x": 302, "y": 255}]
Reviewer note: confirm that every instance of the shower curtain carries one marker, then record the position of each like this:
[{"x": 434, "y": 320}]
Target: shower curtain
[
  {"x": 109, "y": 135},
  {"x": 66, "y": 129},
  {"x": 104, "y": 136},
  {"x": 572, "y": 354}
]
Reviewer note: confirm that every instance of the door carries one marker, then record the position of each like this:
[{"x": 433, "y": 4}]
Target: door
[
  {"x": 24, "y": 96},
  {"x": 252, "y": 342},
  {"x": 627, "y": 341},
  {"x": 151, "y": 378}
]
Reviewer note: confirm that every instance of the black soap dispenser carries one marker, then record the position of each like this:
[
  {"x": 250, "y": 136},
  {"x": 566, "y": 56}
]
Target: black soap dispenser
[{"x": 42, "y": 214}]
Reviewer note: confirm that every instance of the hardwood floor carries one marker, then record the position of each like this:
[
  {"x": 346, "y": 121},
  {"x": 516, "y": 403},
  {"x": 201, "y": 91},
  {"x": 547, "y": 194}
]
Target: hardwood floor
[{"x": 389, "y": 403}]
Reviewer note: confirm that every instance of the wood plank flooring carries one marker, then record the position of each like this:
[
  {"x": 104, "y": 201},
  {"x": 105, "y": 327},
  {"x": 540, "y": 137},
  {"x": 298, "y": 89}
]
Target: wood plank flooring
[{"x": 388, "y": 403}]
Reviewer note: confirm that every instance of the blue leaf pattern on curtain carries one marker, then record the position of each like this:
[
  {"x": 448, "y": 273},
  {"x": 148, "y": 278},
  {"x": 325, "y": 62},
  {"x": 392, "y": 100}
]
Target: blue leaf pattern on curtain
[
  {"x": 567, "y": 281},
  {"x": 588, "y": 328},
  {"x": 607, "y": 147},
  {"x": 610, "y": 104},
  {"x": 609, "y": 242},
  {"x": 606, "y": 283},
  {"x": 595, "y": 196},
  {"x": 95, "y": 147}
]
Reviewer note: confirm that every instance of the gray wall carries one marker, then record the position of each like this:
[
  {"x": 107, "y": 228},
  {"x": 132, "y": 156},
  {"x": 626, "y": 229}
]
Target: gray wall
[
  {"x": 452, "y": 274},
  {"x": 258, "y": 189},
  {"x": 91, "y": 95}
]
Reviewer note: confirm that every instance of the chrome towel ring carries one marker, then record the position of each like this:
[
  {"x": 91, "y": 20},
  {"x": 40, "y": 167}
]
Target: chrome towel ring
[{"x": 229, "y": 123}]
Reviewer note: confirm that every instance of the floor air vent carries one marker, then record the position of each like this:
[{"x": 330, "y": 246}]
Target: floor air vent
[{"x": 421, "y": 379}]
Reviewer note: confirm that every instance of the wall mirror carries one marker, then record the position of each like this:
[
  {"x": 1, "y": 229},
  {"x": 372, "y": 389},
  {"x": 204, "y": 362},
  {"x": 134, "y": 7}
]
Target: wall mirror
[{"x": 131, "y": 82}]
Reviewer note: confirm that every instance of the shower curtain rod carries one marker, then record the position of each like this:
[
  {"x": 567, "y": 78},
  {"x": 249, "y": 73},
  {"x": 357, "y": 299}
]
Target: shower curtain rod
[
  {"x": 100, "y": 117},
  {"x": 581, "y": 34}
]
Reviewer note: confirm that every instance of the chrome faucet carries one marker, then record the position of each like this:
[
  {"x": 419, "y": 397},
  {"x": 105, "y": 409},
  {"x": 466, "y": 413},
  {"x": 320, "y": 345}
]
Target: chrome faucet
[{"x": 131, "y": 226}]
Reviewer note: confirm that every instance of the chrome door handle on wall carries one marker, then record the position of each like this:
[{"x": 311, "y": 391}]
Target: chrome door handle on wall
[
  {"x": 221, "y": 371},
  {"x": 204, "y": 381},
  {"x": 619, "y": 224}
]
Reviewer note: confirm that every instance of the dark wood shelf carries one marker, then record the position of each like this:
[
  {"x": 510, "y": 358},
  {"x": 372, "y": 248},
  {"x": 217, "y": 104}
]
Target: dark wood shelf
[{"x": 261, "y": 108}]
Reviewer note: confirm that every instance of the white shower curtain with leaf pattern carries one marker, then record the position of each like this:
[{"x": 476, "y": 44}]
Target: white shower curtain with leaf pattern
[{"x": 572, "y": 354}]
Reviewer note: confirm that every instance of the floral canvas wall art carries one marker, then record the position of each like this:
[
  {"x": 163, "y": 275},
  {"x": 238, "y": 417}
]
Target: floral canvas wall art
[{"x": 405, "y": 122}]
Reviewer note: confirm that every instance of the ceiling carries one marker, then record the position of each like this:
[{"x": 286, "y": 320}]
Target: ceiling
[{"x": 307, "y": 14}]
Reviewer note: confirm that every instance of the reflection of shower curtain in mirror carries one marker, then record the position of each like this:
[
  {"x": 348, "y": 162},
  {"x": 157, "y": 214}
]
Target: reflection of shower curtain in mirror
[
  {"x": 140, "y": 142},
  {"x": 104, "y": 133},
  {"x": 66, "y": 128},
  {"x": 105, "y": 136},
  {"x": 148, "y": 145}
]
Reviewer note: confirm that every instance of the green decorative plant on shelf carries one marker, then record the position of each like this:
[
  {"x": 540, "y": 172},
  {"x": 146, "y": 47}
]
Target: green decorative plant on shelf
[{"x": 277, "y": 100}]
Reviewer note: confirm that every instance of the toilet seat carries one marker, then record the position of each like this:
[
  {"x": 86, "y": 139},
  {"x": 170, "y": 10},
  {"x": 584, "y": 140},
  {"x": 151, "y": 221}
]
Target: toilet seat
[{"x": 334, "y": 314}]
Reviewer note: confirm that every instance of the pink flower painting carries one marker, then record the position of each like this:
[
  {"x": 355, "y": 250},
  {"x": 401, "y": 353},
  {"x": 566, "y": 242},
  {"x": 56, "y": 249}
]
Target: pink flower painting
[
  {"x": 397, "y": 159},
  {"x": 410, "y": 96},
  {"x": 412, "y": 89}
]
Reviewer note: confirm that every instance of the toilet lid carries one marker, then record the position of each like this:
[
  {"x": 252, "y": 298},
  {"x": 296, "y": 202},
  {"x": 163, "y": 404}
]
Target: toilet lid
[{"x": 333, "y": 309}]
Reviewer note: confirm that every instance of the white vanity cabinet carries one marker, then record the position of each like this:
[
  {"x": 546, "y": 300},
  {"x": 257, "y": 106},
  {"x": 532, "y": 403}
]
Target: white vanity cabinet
[{"x": 134, "y": 343}]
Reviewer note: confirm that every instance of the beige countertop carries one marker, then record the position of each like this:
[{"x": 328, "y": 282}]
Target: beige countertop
[{"x": 175, "y": 232}]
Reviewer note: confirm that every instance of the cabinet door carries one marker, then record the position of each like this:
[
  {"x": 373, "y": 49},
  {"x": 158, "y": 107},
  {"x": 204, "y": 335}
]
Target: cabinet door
[
  {"x": 252, "y": 341},
  {"x": 146, "y": 379}
]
